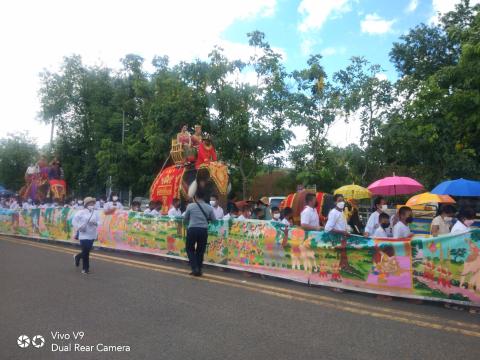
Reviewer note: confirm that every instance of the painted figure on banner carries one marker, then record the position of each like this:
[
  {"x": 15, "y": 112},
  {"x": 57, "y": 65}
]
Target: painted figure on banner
[{"x": 471, "y": 267}]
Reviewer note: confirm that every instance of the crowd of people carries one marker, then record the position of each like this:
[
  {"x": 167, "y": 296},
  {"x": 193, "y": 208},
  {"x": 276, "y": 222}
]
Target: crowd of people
[
  {"x": 198, "y": 213},
  {"x": 380, "y": 223}
]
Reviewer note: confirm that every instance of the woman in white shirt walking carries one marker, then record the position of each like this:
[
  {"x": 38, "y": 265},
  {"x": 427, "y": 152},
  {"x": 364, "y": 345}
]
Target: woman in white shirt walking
[{"x": 86, "y": 222}]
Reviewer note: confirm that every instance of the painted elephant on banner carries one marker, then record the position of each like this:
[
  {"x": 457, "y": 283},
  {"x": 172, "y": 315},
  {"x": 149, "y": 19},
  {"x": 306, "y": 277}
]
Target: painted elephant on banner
[{"x": 174, "y": 182}]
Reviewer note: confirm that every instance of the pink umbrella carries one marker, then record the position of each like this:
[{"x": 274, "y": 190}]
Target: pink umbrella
[{"x": 395, "y": 185}]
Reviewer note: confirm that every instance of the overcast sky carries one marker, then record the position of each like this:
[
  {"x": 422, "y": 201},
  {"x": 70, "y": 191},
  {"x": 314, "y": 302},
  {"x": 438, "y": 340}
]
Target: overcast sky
[{"x": 37, "y": 34}]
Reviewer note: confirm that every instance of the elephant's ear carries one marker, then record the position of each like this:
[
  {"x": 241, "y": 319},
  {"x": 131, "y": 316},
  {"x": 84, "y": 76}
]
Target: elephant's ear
[{"x": 192, "y": 189}]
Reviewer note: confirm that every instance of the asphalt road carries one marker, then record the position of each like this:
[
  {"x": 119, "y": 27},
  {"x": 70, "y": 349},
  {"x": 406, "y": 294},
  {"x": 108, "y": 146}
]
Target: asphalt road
[{"x": 160, "y": 312}]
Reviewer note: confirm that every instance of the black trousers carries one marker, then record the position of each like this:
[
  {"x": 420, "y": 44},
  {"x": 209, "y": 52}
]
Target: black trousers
[
  {"x": 195, "y": 246},
  {"x": 84, "y": 255}
]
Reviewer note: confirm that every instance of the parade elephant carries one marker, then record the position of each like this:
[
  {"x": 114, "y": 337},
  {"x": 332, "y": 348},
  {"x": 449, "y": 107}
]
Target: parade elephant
[
  {"x": 177, "y": 181},
  {"x": 43, "y": 182}
]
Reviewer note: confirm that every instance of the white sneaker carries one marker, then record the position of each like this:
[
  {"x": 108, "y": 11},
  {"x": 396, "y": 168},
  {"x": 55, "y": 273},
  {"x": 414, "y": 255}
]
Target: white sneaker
[{"x": 85, "y": 272}]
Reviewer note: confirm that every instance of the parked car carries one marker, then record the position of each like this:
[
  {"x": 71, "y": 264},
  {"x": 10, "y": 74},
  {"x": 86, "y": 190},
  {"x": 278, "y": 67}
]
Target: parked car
[{"x": 275, "y": 201}]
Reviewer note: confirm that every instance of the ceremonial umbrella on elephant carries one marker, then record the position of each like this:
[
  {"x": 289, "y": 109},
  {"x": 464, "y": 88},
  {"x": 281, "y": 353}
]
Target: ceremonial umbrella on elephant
[
  {"x": 395, "y": 185},
  {"x": 459, "y": 187},
  {"x": 354, "y": 192},
  {"x": 429, "y": 198}
]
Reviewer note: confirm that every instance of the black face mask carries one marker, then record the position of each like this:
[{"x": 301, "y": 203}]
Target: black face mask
[
  {"x": 385, "y": 225},
  {"x": 409, "y": 219}
]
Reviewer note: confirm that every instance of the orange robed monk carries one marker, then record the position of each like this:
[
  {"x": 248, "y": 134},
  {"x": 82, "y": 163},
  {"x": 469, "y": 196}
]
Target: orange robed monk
[{"x": 206, "y": 152}]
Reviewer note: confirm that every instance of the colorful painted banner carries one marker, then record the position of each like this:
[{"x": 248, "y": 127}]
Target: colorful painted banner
[{"x": 445, "y": 268}]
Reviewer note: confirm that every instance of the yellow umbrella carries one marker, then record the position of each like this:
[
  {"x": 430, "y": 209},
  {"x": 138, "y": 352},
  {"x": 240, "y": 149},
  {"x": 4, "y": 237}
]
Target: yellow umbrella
[
  {"x": 427, "y": 198},
  {"x": 354, "y": 192}
]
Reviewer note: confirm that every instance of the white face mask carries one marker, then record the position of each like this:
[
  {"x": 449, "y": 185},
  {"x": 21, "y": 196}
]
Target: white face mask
[
  {"x": 115, "y": 198},
  {"x": 384, "y": 207},
  {"x": 447, "y": 219},
  {"x": 213, "y": 203},
  {"x": 90, "y": 207},
  {"x": 276, "y": 216},
  {"x": 79, "y": 202},
  {"x": 341, "y": 205}
]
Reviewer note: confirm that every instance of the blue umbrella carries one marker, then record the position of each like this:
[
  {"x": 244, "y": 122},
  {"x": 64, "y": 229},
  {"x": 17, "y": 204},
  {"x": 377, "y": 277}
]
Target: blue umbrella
[{"x": 459, "y": 187}]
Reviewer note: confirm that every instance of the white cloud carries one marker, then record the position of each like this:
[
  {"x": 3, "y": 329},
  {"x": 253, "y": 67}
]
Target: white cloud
[
  {"x": 412, "y": 6},
  {"x": 37, "y": 34},
  {"x": 307, "y": 46},
  {"x": 315, "y": 12},
  {"x": 381, "y": 76},
  {"x": 374, "y": 24},
  {"x": 444, "y": 6},
  {"x": 329, "y": 51}
]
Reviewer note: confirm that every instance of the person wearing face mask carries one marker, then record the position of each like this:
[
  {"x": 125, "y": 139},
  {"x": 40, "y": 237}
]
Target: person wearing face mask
[
  {"x": 373, "y": 222},
  {"x": 336, "y": 222},
  {"x": 401, "y": 228},
  {"x": 443, "y": 222},
  {"x": 78, "y": 204},
  {"x": 276, "y": 214},
  {"x": 217, "y": 209},
  {"x": 246, "y": 213},
  {"x": 114, "y": 203},
  {"x": 86, "y": 222},
  {"x": 175, "y": 209},
  {"x": 233, "y": 214},
  {"x": 383, "y": 230},
  {"x": 465, "y": 219}
]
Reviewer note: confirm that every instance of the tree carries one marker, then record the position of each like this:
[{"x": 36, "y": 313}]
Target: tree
[
  {"x": 249, "y": 120},
  {"x": 17, "y": 152},
  {"x": 365, "y": 94}
]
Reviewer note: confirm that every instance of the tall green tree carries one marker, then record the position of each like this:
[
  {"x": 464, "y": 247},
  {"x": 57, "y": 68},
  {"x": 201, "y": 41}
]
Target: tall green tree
[
  {"x": 249, "y": 120},
  {"x": 17, "y": 152}
]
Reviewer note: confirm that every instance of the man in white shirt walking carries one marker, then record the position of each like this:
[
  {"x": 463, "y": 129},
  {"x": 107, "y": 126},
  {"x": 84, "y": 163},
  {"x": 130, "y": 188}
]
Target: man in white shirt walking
[
  {"x": 336, "y": 222},
  {"x": 217, "y": 209},
  {"x": 86, "y": 222},
  {"x": 401, "y": 228},
  {"x": 309, "y": 219}
]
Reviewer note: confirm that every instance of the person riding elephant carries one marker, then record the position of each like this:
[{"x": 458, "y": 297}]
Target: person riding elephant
[
  {"x": 206, "y": 152},
  {"x": 184, "y": 137},
  {"x": 197, "y": 137}
]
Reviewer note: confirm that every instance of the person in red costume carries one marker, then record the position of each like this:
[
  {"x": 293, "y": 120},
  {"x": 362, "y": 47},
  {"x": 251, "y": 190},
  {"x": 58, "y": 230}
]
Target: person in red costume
[{"x": 206, "y": 152}]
